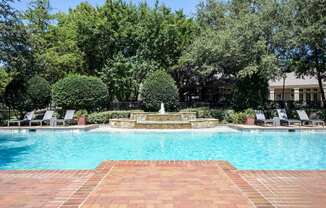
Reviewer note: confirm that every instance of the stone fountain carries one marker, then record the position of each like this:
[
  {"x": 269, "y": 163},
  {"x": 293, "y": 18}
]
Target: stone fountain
[{"x": 163, "y": 120}]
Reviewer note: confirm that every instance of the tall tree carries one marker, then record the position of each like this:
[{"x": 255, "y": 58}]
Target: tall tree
[
  {"x": 308, "y": 39},
  {"x": 211, "y": 14},
  {"x": 241, "y": 50},
  {"x": 15, "y": 52},
  {"x": 38, "y": 20}
]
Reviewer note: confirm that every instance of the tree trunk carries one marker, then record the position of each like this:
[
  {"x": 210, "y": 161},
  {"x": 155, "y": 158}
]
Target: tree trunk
[
  {"x": 283, "y": 91},
  {"x": 321, "y": 87}
]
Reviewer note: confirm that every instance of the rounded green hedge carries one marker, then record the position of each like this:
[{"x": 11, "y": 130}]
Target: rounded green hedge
[
  {"x": 159, "y": 87},
  {"x": 80, "y": 92},
  {"x": 39, "y": 92}
]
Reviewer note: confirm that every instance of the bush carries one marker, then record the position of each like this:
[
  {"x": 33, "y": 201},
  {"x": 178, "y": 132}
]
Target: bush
[
  {"x": 239, "y": 117},
  {"x": 80, "y": 92},
  {"x": 39, "y": 92},
  {"x": 15, "y": 96},
  {"x": 200, "y": 112},
  {"x": 159, "y": 87},
  {"x": 235, "y": 117},
  {"x": 218, "y": 114},
  {"x": 104, "y": 117},
  {"x": 207, "y": 113}
]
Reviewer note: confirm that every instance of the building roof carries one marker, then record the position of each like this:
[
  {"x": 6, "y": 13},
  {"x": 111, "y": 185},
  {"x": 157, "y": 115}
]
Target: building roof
[{"x": 293, "y": 81}]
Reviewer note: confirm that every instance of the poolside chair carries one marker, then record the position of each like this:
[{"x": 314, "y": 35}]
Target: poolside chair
[
  {"x": 305, "y": 119},
  {"x": 68, "y": 117},
  {"x": 47, "y": 117},
  {"x": 27, "y": 119},
  {"x": 261, "y": 119},
  {"x": 284, "y": 118}
]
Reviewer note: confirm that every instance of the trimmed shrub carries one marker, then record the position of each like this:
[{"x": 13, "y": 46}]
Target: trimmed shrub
[
  {"x": 39, "y": 92},
  {"x": 159, "y": 87},
  {"x": 15, "y": 96},
  {"x": 218, "y": 114},
  {"x": 200, "y": 112},
  {"x": 207, "y": 113},
  {"x": 80, "y": 92},
  {"x": 104, "y": 117}
]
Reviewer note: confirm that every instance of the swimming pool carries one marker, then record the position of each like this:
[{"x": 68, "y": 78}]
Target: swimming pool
[{"x": 86, "y": 150}]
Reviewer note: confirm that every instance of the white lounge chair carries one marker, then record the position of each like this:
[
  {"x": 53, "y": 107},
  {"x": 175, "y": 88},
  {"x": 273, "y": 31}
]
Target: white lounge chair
[
  {"x": 305, "y": 119},
  {"x": 261, "y": 119},
  {"x": 68, "y": 117},
  {"x": 284, "y": 118},
  {"x": 27, "y": 119},
  {"x": 47, "y": 117}
]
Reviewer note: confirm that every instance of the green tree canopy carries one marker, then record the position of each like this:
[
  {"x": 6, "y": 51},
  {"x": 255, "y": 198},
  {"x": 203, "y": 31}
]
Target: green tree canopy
[{"x": 159, "y": 87}]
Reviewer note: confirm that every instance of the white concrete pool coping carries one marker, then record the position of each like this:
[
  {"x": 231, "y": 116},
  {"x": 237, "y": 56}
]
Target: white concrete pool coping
[{"x": 219, "y": 128}]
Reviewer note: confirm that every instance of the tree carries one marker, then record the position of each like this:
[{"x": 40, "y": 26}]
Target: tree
[
  {"x": 38, "y": 92},
  {"x": 159, "y": 87},
  {"x": 211, "y": 14},
  {"x": 308, "y": 39},
  {"x": 15, "y": 54},
  {"x": 164, "y": 35},
  {"x": 123, "y": 76},
  {"x": 15, "y": 96},
  {"x": 5, "y": 79},
  {"x": 240, "y": 51},
  {"x": 80, "y": 92}
]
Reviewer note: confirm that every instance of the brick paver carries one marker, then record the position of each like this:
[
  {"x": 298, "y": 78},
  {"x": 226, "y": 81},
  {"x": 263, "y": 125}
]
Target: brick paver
[
  {"x": 289, "y": 188},
  {"x": 166, "y": 184},
  {"x": 163, "y": 184},
  {"x": 32, "y": 189}
]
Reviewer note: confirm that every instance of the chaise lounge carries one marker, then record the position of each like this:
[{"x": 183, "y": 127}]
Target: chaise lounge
[
  {"x": 69, "y": 117},
  {"x": 261, "y": 119},
  {"x": 27, "y": 119},
  {"x": 47, "y": 117},
  {"x": 284, "y": 118},
  {"x": 306, "y": 120}
]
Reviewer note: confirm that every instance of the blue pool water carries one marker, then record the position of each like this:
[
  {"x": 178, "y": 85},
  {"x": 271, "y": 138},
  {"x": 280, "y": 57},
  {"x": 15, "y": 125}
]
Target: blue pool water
[{"x": 86, "y": 150}]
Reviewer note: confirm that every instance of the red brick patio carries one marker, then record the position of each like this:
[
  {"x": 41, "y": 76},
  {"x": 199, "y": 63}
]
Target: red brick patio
[{"x": 163, "y": 184}]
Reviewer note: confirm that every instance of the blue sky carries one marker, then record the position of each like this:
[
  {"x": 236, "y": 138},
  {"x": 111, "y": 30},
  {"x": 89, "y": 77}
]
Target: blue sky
[{"x": 189, "y": 6}]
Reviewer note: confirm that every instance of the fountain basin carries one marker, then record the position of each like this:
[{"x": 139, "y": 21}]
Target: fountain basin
[{"x": 182, "y": 120}]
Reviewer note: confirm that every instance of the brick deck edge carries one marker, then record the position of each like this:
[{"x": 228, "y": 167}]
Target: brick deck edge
[
  {"x": 81, "y": 195},
  {"x": 253, "y": 195}
]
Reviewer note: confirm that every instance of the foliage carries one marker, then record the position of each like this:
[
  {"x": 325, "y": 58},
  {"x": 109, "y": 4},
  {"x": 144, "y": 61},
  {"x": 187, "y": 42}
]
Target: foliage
[
  {"x": 211, "y": 13},
  {"x": 15, "y": 96},
  {"x": 123, "y": 76},
  {"x": 5, "y": 78},
  {"x": 80, "y": 92},
  {"x": 239, "y": 51},
  {"x": 159, "y": 87},
  {"x": 104, "y": 117},
  {"x": 81, "y": 113},
  {"x": 307, "y": 43},
  {"x": 38, "y": 19},
  {"x": 200, "y": 112},
  {"x": 207, "y": 113},
  {"x": 233, "y": 44},
  {"x": 15, "y": 54},
  {"x": 239, "y": 117},
  {"x": 38, "y": 92},
  {"x": 236, "y": 117}
]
